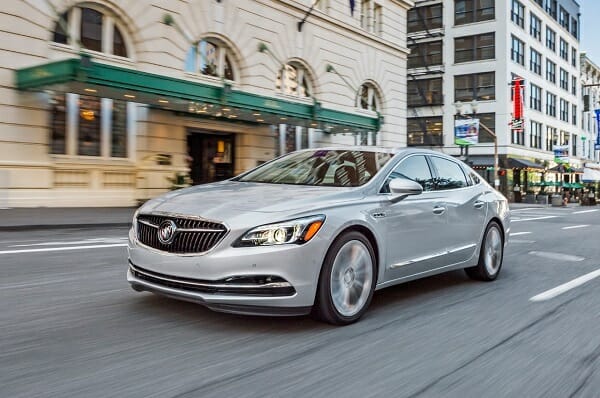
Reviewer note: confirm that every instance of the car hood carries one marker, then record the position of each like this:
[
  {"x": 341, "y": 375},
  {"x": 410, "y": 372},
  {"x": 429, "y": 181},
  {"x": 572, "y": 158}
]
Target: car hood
[{"x": 230, "y": 199}]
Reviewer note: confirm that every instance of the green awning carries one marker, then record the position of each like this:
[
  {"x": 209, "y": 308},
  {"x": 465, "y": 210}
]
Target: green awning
[{"x": 88, "y": 77}]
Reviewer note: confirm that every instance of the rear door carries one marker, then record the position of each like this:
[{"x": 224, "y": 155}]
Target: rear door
[{"x": 465, "y": 209}]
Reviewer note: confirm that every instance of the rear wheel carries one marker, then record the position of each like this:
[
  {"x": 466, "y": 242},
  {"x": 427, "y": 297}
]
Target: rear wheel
[
  {"x": 490, "y": 256},
  {"x": 347, "y": 280}
]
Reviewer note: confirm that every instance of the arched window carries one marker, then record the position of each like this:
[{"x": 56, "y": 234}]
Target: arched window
[
  {"x": 94, "y": 29},
  {"x": 212, "y": 58},
  {"x": 293, "y": 79},
  {"x": 368, "y": 98}
]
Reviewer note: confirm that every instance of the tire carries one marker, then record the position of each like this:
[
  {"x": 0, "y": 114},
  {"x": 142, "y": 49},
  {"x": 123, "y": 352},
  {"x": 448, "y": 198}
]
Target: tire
[
  {"x": 491, "y": 254},
  {"x": 347, "y": 280}
]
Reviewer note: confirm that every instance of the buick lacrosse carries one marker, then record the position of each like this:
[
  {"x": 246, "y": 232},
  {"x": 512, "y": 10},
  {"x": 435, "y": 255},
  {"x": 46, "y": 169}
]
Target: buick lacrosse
[{"x": 318, "y": 231}]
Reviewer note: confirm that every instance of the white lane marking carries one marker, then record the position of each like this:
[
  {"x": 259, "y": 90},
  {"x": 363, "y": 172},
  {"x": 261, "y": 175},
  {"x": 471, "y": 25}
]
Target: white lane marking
[
  {"x": 557, "y": 256},
  {"x": 521, "y": 241},
  {"x": 585, "y": 211},
  {"x": 526, "y": 209},
  {"x": 535, "y": 218},
  {"x": 519, "y": 233},
  {"x": 57, "y": 249},
  {"x": 565, "y": 287},
  {"x": 74, "y": 242},
  {"x": 576, "y": 226}
]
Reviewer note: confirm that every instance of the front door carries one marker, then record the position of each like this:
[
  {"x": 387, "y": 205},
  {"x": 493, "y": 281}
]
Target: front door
[{"x": 211, "y": 157}]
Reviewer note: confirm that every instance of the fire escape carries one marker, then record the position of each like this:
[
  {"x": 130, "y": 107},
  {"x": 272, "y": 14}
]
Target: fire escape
[{"x": 428, "y": 32}]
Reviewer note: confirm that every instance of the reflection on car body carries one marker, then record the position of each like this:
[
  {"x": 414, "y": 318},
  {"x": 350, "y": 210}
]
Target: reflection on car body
[{"x": 319, "y": 231}]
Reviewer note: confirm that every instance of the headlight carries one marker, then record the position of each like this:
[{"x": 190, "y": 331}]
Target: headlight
[{"x": 297, "y": 231}]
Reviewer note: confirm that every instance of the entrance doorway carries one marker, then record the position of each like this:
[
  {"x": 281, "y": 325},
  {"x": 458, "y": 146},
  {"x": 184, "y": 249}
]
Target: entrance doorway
[{"x": 211, "y": 156}]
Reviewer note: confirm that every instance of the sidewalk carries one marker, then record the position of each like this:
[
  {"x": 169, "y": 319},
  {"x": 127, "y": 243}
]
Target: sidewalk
[{"x": 21, "y": 219}]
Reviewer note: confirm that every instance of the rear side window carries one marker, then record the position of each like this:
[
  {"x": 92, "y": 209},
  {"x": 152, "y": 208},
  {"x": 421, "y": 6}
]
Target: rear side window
[
  {"x": 450, "y": 174},
  {"x": 413, "y": 168}
]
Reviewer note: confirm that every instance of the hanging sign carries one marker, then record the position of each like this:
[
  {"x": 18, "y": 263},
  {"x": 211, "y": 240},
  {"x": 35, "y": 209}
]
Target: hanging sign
[
  {"x": 518, "y": 94},
  {"x": 597, "y": 143},
  {"x": 466, "y": 131},
  {"x": 561, "y": 154}
]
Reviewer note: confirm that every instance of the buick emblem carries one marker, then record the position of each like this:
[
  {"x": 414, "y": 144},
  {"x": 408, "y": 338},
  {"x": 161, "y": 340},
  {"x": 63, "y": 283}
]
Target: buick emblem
[{"x": 166, "y": 232}]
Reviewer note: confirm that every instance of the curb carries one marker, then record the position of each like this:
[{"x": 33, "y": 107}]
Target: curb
[{"x": 42, "y": 227}]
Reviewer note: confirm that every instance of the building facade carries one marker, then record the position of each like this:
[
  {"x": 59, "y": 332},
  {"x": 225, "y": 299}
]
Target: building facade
[
  {"x": 110, "y": 103},
  {"x": 590, "y": 80},
  {"x": 464, "y": 51}
]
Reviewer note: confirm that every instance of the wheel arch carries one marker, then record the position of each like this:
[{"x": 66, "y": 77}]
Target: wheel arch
[{"x": 370, "y": 237}]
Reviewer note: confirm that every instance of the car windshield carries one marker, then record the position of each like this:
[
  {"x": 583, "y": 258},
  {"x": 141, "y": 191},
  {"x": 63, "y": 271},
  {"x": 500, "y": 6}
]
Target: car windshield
[{"x": 325, "y": 167}]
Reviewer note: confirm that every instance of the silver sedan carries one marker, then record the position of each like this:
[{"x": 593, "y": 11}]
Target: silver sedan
[{"x": 318, "y": 231}]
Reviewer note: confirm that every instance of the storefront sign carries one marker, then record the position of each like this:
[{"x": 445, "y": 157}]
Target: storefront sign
[
  {"x": 561, "y": 154},
  {"x": 518, "y": 94},
  {"x": 466, "y": 131}
]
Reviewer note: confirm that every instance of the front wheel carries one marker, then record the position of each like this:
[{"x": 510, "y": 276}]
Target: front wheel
[
  {"x": 347, "y": 280},
  {"x": 490, "y": 255}
]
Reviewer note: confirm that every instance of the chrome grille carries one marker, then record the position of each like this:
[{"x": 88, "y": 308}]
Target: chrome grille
[{"x": 192, "y": 235}]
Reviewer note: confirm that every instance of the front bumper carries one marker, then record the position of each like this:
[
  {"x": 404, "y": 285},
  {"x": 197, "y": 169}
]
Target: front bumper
[{"x": 273, "y": 281}]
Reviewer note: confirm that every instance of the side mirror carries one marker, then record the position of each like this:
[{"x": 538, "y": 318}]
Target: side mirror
[{"x": 402, "y": 187}]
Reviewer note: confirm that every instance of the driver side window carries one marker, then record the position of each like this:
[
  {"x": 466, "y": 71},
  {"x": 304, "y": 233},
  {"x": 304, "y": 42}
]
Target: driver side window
[{"x": 414, "y": 168}]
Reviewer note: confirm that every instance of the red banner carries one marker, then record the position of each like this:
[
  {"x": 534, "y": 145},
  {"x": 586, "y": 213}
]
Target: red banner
[{"x": 518, "y": 94}]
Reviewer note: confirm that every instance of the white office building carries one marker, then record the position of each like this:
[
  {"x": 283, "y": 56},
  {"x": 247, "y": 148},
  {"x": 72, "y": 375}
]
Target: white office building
[{"x": 468, "y": 52}]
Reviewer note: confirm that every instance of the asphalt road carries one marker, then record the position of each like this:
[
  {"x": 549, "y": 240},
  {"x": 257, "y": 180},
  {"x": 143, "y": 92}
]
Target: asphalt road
[{"x": 70, "y": 326}]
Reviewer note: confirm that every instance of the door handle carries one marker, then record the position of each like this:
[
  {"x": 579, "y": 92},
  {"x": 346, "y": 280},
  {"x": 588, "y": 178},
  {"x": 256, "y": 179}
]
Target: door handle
[
  {"x": 478, "y": 204},
  {"x": 439, "y": 210}
]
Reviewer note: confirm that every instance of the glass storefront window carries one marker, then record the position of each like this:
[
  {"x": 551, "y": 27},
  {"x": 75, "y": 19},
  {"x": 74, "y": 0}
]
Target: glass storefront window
[
  {"x": 88, "y": 139},
  {"x": 58, "y": 124},
  {"x": 119, "y": 129}
]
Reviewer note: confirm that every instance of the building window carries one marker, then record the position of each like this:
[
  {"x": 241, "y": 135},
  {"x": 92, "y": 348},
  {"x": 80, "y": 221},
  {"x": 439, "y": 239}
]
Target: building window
[
  {"x": 517, "y": 52},
  {"x": 425, "y": 18},
  {"x": 574, "y": 145},
  {"x": 368, "y": 98},
  {"x": 425, "y": 92},
  {"x": 210, "y": 58},
  {"x": 551, "y": 138},
  {"x": 365, "y": 13},
  {"x": 550, "y": 39},
  {"x": 574, "y": 28},
  {"x": 535, "y": 98},
  {"x": 469, "y": 11},
  {"x": 574, "y": 57},
  {"x": 517, "y": 137},
  {"x": 551, "y": 8},
  {"x": 517, "y": 13},
  {"x": 574, "y": 85},
  {"x": 479, "y": 86},
  {"x": 377, "y": 27},
  {"x": 564, "y": 110},
  {"x": 474, "y": 48},
  {"x": 550, "y": 104},
  {"x": 535, "y": 27},
  {"x": 564, "y": 18},
  {"x": 425, "y": 131},
  {"x": 564, "y": 79},
  {"x": 535, "y": 61},
  {"x": 540, "y": 3},
  {"x": 535, "y": 138},
  {"x": 564, "y": 49},
  {"x": 574, "y": 114},
  {"x": 293, "y": 79},
  {"x": 489, "y": 120},
  {"x": 89, "y": 125},
  {"x": 425, "y": 54},
  {"x": 96, "y": 30},
  {"x": 550, "y": 71},
  {"x": 58, "y": 124}
]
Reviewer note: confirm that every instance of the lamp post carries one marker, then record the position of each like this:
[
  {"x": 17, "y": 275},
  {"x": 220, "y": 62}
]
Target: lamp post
[{"x": 471, "y": 115}]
